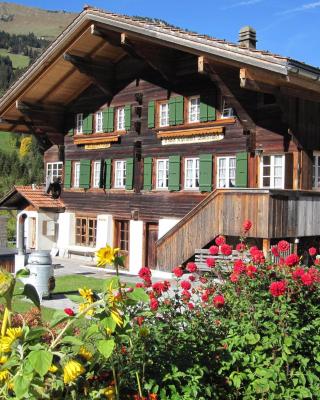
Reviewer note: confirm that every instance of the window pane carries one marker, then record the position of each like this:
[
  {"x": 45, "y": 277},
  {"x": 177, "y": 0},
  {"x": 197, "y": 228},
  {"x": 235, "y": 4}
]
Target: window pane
[{"x": 266, "y": 182}]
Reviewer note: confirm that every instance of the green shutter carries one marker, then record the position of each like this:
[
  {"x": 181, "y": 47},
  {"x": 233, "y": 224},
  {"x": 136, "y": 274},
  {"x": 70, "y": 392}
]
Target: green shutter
[
  {"x": 147, "y": 173},
  {"x": 176, "y": 110},
  {"x": 67, "y": 174},
  {"x": 70, "y": 132},
  {"x": 151, "y": 114},
  {"x": 108, "y": 118},
  {"x": 129, "y": 173},
  {"x": 242, "y": 170},
  {"x": 107, "y": 182},
  {"x": 87, "y": 124},
  {"x": 203, "y": 111},
  {"x": 211, "y": 113},
  {"x": 174, "y": 173},
  {"x": 85, "y": 173},
  {"x": 127, "y": 117},
  {"x": 205, "y": 173},
  {"x": 172, "y": 111},
  {"x": 179, "y": 110},
  {"x": 110, "y": 127},
  {"x": 207, "y": 112},
  {"x": 101, "y": 174}
]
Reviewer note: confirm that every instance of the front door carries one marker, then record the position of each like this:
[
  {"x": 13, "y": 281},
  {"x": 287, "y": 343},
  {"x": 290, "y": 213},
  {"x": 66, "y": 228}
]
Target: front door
[
  {"x": 151, "y": 244},
  {"x": 122, "y": 239}
]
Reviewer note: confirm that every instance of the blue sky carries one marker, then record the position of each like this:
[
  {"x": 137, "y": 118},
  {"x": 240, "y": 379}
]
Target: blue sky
[{"x": 287, "y": 27}]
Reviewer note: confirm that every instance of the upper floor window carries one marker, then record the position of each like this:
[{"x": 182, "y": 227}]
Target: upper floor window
[
  {"x": 226, "y": 172},
  {"x": 120, "y": 119},
  {"x": 120, "y": 174},
  {"x": 191, "y": 173},
  {"x": 194, "y": 109},
  {"x": 272, "y": 172},
  {"x": 316, "y": 171},
  {"x": 96, "y": 174},
  {"x": 99, "y": 121},
  {"x": 162, "y": 174},
  {"x": 76, "y": 174},
  {"x": 79, "y": 123},
  {"x": 227, "y": 112},
  {"x": 54, "y": 170},
  {"x": 164, "y": 114}
]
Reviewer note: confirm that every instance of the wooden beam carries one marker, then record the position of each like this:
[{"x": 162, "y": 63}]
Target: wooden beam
[{"x": 248, "y": 81}]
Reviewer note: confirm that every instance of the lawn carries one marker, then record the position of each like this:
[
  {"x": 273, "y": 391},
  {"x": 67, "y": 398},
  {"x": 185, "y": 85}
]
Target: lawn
[{"x": 18, "y": 60}]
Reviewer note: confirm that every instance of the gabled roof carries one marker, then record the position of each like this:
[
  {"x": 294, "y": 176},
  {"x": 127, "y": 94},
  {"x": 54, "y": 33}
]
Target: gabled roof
[
  {"x": 22, "y": 196},
  {"x": 53, "y": 80}
]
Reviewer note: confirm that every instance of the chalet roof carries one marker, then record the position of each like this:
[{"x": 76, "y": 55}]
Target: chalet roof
[
  {"x": 21, "y": 196},
  {"x": 53, "y": 80}
]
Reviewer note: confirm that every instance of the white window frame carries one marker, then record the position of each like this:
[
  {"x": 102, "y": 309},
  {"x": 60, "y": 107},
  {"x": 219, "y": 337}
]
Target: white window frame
[
  {"x": 79, "y": 123},
  {"x": 272, "y": 171},
  {"x": 164, "y": 114},
  {"x": 228, "y": 169},
  {"x": 120, "y": 172},
  {"x": 120, "y": 119},
  {"x": 56, "y": 170},
  {"x": 99, "y": 122},
  {"x": 194, "y": 114},
  {"x": 162, "y": 182},
  {"x": 195, "y": 174},
  {"x": 76, "y": 174},
  {"x": 316, "y": 170},
  {"x": 227, "y": 112},
  {"x": 96, "y": 174}
]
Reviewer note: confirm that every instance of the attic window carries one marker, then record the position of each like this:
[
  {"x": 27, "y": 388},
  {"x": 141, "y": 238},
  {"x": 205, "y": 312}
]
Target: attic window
[{"x": 227, "y": 112}]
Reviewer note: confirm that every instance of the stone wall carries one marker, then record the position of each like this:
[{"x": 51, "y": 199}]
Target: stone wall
[{"x": 3, "y": 231}]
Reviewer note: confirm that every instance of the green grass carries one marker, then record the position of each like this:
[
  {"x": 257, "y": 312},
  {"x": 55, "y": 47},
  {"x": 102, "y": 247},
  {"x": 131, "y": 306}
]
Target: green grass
[
  {"x": 71, "y": 283},
  {"x": 18, "y": 60},
  {"x": 7, "y": 142}
]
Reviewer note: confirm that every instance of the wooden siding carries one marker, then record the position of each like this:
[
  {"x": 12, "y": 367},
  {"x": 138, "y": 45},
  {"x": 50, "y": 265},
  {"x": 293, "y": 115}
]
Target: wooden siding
[{"x": 274, "y": 214}]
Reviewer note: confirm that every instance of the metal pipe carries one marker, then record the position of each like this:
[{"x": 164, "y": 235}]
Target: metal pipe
[{"x": 21, "y": 246}]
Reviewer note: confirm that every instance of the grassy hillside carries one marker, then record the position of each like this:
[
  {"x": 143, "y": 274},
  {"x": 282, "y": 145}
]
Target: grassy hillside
[
  {"x": 18, "y": 60},
  {"x": 15, "y": 19}
]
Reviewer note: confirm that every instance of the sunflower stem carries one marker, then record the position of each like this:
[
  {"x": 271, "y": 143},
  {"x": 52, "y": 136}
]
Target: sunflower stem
[{"x": 115, "y": 382}]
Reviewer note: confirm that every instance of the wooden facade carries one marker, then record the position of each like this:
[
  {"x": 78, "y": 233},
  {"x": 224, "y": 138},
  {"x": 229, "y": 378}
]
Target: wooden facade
[{"x": 235, "y": 130}]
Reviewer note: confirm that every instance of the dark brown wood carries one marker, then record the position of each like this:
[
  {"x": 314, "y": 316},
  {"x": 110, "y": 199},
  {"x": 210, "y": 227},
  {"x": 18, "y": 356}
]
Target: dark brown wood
[{"x": 151, "y": 245}]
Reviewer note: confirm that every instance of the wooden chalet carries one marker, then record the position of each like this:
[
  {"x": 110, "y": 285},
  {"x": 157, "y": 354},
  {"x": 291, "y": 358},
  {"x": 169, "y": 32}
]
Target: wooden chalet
[{"x": 164, "y": 138}]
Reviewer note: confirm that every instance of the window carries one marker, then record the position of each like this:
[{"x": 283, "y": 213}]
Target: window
[
  {"x": 54, "y": 170},
  {"x": 86, "y": 231},
  {"x": 76, "y": 174},
  {"x": 194, "y": 109},
  {"x": 316, "y": 171},
  {"x": 162, "y": 174},
  {"x": 79, "y": 123},
  {"x": 227, "y": 112},
  {"x": 226, "y": 172},
  {"x": 120, "y": 119},
  {"x": 120, "y": 174},
  {"x": 191, "y": 173},
  {"x": 99, "y": 121},
  {"x": 272, "y": 172},
  {"x": 122, "y": 235},
  {"x": 164, "y": 114},
  {"x": 96, "y": 174}
]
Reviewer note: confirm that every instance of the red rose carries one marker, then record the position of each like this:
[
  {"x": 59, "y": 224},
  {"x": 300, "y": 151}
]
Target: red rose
[
  {"x": 178, "y": 272},
  {"x": 210, "y": 262},
  {"x": 283, "y": 246},
  {"x": 214, "y": 250},
  {"x": 192, "y": 278},
  {"x": 226, "y": 250},
  {"x": 191, "y": 267},
  {"x": 220, "y": 240},
  {"x": 140, "y": 320},
  {"x": 154, "y": 304},
  {"x": 291, "y": 260},
  {"x": 145, "y": 273},
  {"x": 218, "y": 301},
  {"x": 139, "y": 285},
  {"x": 205, "y": 296},
  {"x": 238, "y": 266},
  {"x": 186, "y": 294},
  {"x": 274, "y": 251},
  {"x": 186, "y": 285},
  {"x": 240, "y": 247},
  {"x": 247, "y": 225},
  {"x": 251, "y": 270},
  {"x": 258, "y": 257},
  {"x": 147, "y": 282},
  {"x": 307, "y": 279},
  {"x": 190, "y": 306},
  {"x": 69, "y": 312},
  {"x": 253, "y": 250},
  {"x": 234, "y": 277},
  {"x": 160, "y": 287},
  {"x": 297, "y": 273},
  {"x": 278, "y": 288},
  {"x": 203, "y": 279},
  {"x": 312, "y": 251}
]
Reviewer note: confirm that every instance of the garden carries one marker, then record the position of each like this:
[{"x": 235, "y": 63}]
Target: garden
[{"x": 246, "y": 329}]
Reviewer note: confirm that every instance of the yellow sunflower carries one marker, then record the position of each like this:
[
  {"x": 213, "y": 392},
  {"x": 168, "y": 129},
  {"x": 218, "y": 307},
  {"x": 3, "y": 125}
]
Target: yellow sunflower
[
  {"x": 4, "y": 375},
  {"x": 53, "y": 368},
  {"x": 3, "y": 359},
  {"x": 71, "y": 371},
  {"x": 6, "y": 282},
  {"x": 86, "y": 354},
  {"x": 110, "y": 393},
  {"x": 106, "y": 255},
  {"x": 14, "y": 333},
  {"x": 86, "y": 294},
  {"x": 84, "y": 306},
  {"x": 5, "y": 344}
]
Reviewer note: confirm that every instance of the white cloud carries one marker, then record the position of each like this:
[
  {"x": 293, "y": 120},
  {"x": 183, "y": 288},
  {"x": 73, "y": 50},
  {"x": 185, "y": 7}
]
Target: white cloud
[
  {"x": 303, "y": 7},
  {"x": 242, "y": 4}
]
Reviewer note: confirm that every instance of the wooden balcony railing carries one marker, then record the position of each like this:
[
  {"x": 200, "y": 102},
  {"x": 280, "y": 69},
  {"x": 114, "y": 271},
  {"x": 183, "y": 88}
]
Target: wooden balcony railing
[{"x": 274, "y": 214}]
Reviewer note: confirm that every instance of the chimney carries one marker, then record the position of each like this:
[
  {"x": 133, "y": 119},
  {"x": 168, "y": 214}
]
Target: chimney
[{"x": 247, "y": 37}]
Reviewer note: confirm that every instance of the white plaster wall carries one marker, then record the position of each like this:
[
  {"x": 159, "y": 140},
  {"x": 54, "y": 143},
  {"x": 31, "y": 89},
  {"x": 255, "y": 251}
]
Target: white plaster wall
[
  {"x": 165, "y": 224},
  {"x": 136, "y": 246},
  {"x": 66, "y": 232},
  {"x": 45, "y": 242},
  {"x": 104, "y": 230}
]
